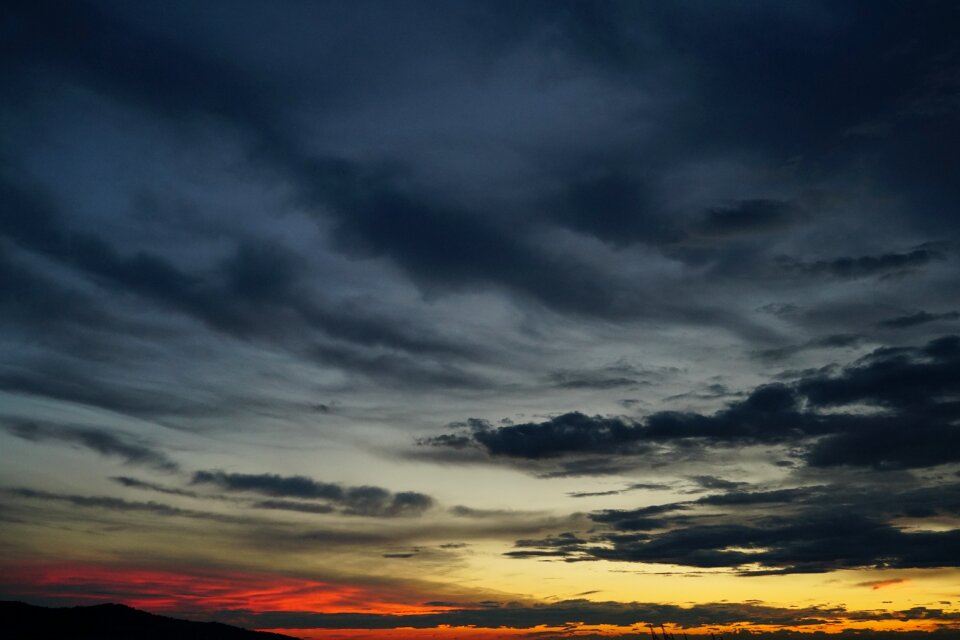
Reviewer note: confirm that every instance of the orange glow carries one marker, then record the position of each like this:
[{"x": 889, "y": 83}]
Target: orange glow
[
  {"x": 574, "y": 630},
  {"x": 192, "y": 591},
  {"x": 198, "y": 594},
  {"x": 433, "y": 633}
]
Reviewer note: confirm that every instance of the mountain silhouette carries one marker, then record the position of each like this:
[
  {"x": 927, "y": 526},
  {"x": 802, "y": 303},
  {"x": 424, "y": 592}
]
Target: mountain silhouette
[{"x": 21, "y": 621}]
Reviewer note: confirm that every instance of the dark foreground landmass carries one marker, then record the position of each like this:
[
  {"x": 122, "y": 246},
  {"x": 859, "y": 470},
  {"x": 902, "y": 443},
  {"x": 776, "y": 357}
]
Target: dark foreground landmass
[{"x": 21, "y": 621}]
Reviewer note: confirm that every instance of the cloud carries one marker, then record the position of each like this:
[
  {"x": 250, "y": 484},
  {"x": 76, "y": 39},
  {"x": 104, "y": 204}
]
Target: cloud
[
  {"x": 882, "y": 584},
  {"x": 592, "y": 494},
  {"x": 65, "y": 380},
  {"x": 795, "y": 530},
  {"x": 359, "y": 501},
  {"x": 834, "y": 341},
  {"x": 380, "y": 209},
  {"x": 913, "y": 425},
  {"x": 636, "y": 486},
  {"x": 779, "y": 309},
  {"x": 371, "y": 209},
  {"x": 136, "y": 483},
  {"x": 568, "y": 613},
  {"x": 712, "y": 482},
  {"x": 851, "y": 268},
  {"x": 767, "y": 415},
  {"x": 566, "y": 433},
  {"x": 917, "y": 319},
  {"x": 731, "y": 498},
  {"x": 106, "y": 443},
  {"x": 578, "y": 380},
  {"x": 614, "y": 206},
  {"x": 256, "y": 291},
  {"x": 745, "y": 218},
  {"x": 373, "y": 212},
  {"x": 584, "y": 466},
  {"x": 110, "y": 503},
  {"x": 494, "y": 198},
  {"x": 294, "y": 505},
  {"x": 500, "y": 514},
  {"x": 29, "y": 298},
  {"x": 443, "y": 246}
]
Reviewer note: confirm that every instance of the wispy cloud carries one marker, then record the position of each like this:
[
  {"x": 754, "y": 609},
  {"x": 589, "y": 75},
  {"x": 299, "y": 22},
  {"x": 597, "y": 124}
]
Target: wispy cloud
[
  {"x": 360, "y": 501},
  {"x": 102, "y": 441}
]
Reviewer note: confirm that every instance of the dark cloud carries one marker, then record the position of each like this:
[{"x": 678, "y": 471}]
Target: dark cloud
[
  {"x": 636, "y": 486},
  {"x": 712, "y": 482},
  {"x": 615, "y": 207},
  {"x": 913, "y": 388},
  {"x": 257, "y": 291},
  {"x": 592, "y": 494},
  {"x": 575, "y": 380},
  {"x": 829, "y": 542},
  {"x": 469, "y": 512},
  {"x": 586, "y": 466},
  {"x": 746, "y": 218},
  {"x": 377, "y": 209},
  {"x": 917, "y": 319},
  {"x": 754, "y": 497},
  {"x": 31, "y": 299},
  {"x": 779, "y": 309},
  {"x": 294, "y": 505},
  {"x": 451, "y": 200},
  {"x": 102, "y": 441},
  {"x": 374, "y": 211},
  {"x": 886, "y": 265},
  {"x": 441, "y": 245},
  {"x": 164, "y": 76},
  {"x": 835, "y": 341},
  {"x": 767, "y": 415},
  {"x": 619, "y": 374},
  {"x": 569, "y": 612},
  {"x": 569, "y": 432},
  {"x": 892, "y": 377},
  {"x": 136, "y": 483},
  {"x": 793, "y": 530},
  {"x": 396, "y": 368},
  {"x": 707, "y": 392},
  {"x": 110, "y": 503},
  {"x": 648, "y": 486},
  {"x": 64, "y": 380},
  {"x": 359, "y": 501}
]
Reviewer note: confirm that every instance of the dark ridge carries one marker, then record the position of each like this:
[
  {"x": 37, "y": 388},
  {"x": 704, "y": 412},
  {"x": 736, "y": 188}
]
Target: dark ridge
[{"x": 23, "y": 621}]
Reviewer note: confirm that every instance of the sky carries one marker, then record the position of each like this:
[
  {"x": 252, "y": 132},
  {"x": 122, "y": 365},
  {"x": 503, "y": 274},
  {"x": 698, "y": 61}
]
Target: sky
[{"x": 428, "y": 319}]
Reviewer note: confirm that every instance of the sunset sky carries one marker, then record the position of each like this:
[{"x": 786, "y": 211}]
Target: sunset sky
[{"x": 400, "y": 320}]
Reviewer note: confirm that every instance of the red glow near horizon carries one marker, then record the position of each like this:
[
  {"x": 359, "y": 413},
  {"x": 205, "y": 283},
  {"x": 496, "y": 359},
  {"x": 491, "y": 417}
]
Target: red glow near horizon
[
  {"x": 201, "y": 594},
  {"x": 192, "y": 592}
]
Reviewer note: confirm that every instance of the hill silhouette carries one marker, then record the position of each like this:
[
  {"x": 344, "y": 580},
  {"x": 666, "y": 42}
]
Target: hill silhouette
[{"x": 21, "y": 621}]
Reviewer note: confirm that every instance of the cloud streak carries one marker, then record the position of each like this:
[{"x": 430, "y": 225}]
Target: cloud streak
[
  {"x": 358, "y": 501},
  {"x": 104, "y": 442}
]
